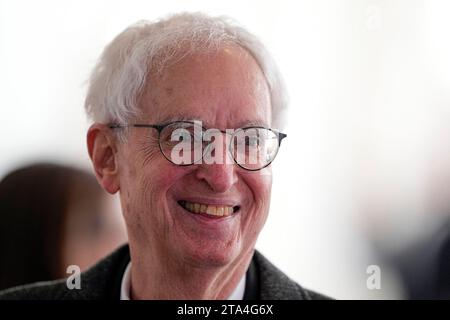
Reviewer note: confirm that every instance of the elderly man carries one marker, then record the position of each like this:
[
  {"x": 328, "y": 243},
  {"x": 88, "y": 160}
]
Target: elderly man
[{"x": 184, "y": 112}]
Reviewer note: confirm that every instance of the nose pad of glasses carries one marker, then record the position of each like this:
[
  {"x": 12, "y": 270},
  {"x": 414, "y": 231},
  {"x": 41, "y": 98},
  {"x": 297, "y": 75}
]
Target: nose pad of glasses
[
  {"x": 226, "y": 152},
  {"x": 206, "y": 152},
  {"x": 198, "y": 157}
]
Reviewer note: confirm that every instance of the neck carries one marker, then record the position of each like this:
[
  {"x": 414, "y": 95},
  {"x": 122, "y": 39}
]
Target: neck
[{"x": 161, "y": 278}]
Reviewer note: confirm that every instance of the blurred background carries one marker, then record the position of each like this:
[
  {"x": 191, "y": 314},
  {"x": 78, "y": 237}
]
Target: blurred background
[{"x": 363, "y": 178}]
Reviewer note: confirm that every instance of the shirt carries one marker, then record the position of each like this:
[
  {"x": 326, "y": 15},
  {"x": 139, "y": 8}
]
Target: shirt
[{"x": 237, "y": 294}]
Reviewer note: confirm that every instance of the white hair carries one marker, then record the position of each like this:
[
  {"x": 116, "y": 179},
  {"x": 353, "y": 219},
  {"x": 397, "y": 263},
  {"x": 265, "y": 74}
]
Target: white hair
[{"x": 146, "y": 47}]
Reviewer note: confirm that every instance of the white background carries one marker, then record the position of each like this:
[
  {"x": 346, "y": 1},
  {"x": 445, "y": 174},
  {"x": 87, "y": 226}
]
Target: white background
[{"x": 369, "y": 91}]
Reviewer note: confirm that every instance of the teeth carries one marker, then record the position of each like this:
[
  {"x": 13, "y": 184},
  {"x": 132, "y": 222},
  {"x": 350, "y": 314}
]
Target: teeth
[
  {"x": 208, "y": 209},
  {"x": 211, "y": 210}
]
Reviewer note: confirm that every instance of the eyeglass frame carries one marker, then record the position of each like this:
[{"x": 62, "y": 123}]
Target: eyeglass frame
[{"x": 161, "y": 127}]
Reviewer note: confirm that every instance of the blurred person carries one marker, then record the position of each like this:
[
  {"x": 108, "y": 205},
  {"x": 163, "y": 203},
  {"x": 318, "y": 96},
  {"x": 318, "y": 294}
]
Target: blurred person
[
  {"x": 53, "y": 216},
  {"x": 422, "y": 264},
  {"x": 443, "y": 269},
  {"x": 186, "y": 114}
]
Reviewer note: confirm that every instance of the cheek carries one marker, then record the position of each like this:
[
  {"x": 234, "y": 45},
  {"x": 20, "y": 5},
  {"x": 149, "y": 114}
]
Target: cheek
[
  {"x": 260, "y": 186},
  {"x": 145, "y": 183},
  {"x": 141, "y": 168}
]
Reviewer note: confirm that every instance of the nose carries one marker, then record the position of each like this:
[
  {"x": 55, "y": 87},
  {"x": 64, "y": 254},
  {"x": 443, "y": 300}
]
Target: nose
[
  {"x": 219, "y": 177},
  {"x": 218, "y": 171}
]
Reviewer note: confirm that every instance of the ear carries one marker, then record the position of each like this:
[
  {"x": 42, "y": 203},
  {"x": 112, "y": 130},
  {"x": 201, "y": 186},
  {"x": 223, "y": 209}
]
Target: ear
[{"x": 102, "y": 151}]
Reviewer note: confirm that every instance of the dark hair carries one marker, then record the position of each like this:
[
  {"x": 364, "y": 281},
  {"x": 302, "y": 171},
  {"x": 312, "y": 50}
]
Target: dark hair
[{"x": 34, "y": 203}]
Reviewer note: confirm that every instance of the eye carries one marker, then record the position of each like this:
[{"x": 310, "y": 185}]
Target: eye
[
  {"x": 185, "y": 136},
  {"x": 252, "y": 141},
  {"x": 178, "y": 135}
]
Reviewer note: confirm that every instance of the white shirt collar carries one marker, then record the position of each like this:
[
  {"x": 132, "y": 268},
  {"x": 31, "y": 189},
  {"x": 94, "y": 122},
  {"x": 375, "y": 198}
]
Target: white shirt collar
[{"x": 237, "y": 294}]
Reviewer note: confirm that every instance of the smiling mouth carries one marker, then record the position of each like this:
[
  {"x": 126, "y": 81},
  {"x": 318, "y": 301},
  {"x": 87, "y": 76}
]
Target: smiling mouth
[{"x": 213, "y": 211}]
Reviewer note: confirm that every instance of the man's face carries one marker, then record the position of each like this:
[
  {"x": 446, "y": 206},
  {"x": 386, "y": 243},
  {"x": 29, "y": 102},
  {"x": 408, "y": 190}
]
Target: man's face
[{"x": 224, "y": 90}]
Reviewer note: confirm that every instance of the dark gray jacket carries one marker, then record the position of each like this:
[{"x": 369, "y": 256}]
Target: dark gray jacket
[{"x": 264, "y": 281}]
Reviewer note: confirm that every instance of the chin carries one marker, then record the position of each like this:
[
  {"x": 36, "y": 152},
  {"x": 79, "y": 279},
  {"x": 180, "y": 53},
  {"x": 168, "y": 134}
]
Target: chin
[{"x": 212, "y": 256}]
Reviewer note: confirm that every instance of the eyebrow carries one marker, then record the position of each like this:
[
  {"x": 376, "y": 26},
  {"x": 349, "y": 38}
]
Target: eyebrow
[
  {"x": 253, "y": 123},
  {"x": 171, "y": 118},
  {"x": 242, "y": 124}
]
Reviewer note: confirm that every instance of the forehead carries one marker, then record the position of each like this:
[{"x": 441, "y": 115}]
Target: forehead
[{"x": 221, "y": 88}]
